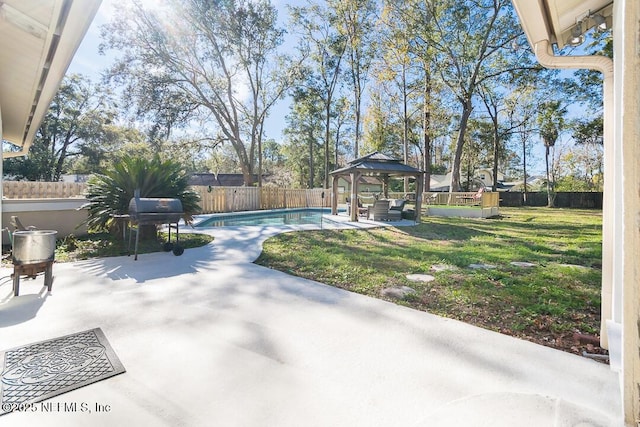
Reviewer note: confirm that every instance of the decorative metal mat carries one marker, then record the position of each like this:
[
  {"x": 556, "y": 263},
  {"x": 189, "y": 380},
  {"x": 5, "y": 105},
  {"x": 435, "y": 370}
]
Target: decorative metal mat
[{"x": 39, "y": 371}]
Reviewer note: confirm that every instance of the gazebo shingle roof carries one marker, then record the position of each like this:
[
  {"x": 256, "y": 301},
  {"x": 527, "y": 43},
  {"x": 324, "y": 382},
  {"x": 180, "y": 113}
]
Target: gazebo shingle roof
[{"x": 377, "y": 163}]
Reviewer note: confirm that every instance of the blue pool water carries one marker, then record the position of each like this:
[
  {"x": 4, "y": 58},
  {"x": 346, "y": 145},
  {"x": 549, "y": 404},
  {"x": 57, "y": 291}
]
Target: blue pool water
[{"x": 284, "y": 217}]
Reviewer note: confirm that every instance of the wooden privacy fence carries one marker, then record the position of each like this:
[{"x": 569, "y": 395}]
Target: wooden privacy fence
[
  {"x": 234, "y": 199},
  {"x": 230, "y": 199},
  {"x": 580, "y": 200},
  {"x": 212, "y": 199},
  {"x": 42, "y": 190}
]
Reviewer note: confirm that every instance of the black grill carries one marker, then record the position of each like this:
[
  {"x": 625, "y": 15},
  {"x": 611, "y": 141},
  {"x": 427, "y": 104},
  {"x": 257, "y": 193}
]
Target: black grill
[
  {"x": 155, "y": 211},
  {"x": 149, "y": 211}
]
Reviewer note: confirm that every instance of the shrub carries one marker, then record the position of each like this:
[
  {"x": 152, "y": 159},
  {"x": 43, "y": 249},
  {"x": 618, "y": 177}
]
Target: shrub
[{"x": 109, "y": 193}]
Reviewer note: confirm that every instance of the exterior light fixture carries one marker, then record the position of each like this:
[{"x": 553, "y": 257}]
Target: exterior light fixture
[
  {"x": 577, "y": 38},
  {"x": 600, "y": 21}
]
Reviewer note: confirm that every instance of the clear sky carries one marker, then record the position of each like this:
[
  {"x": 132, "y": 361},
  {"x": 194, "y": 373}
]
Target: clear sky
[{"x": 87, "y": 61}]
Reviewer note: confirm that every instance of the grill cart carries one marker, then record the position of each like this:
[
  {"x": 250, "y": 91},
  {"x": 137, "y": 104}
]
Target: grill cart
[{"x": 148, "y": 211}]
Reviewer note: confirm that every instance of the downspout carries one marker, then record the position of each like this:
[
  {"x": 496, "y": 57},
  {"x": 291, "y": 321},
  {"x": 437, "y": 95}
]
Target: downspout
[{"x": 544, "y": 54}]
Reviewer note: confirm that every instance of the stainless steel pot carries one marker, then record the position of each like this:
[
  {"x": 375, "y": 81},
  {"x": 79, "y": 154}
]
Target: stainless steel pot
[{"x": 33, "y": 246}]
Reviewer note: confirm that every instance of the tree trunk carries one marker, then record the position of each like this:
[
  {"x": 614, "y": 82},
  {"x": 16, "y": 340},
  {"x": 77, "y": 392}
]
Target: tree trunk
[
  {"x": 427, "y": 131},
  {"x": 260, "y": 158},
  {"x": 327, "y": 135},
  {"x": 496, "y": 153},
  {"x": 311, "y": 168},
  {"x": 524, "y": 169},
  {"x": 337, "y": 143},
  {"x": 455, "y": 171},
  {"x": 405, "y": 130},
  {"x": 356, "y": 147},
  {"x": 549, "y": 198}
]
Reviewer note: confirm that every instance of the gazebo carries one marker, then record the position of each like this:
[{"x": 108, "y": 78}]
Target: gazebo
[{"x": 379, "y": 165}]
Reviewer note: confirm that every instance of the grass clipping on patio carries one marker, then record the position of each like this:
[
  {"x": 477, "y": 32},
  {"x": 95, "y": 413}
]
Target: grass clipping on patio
[{"x": 552, "y": 303}]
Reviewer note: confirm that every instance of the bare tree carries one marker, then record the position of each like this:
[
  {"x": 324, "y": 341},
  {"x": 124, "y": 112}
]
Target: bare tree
[
  {"x": 78, "y": 120},
  {"x": 219, "y": 57},
  {"x": 467, "y": 39},
  {"x": 324, "y": 47},
  {"x": 356, "y": 22}
]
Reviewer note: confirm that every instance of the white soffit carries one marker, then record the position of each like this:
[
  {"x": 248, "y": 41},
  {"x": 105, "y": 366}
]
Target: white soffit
[
  {"x": 38, "y": 39},
  {"x": 553, "y": 20}
]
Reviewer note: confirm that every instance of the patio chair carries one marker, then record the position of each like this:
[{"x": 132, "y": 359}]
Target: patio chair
[
  {"x": 432, "y": 199},
  {"x": 474, "y": 200},
  {"x": 477, "y": 198},
  {"x": 362, "y": 210},
  {"x": 395, "y": 209},
  {"x": 379, "y": 211}
]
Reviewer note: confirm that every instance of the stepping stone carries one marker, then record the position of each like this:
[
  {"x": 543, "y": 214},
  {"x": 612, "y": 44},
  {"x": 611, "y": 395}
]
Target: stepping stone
[
  {"x": 523, "y": 264},
  {"x": 579, "y": 267},
  {"x": 421, "y": 278},
  {"x": 397, "y": 293},
  {"x": 442, "y": 267},
  {"x": 481, "y": 266}
]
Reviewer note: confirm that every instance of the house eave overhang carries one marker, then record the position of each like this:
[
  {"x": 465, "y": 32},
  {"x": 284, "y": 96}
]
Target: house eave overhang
[{"x": 38, "y": 39}]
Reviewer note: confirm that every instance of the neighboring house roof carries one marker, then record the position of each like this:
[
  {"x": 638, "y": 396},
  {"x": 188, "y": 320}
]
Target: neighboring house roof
[
  {"x": 38, "y": 39},
  {"x": 489, "y": 172},
  {"x": 503, "y": 186},
  {"x": 75, "y": 178},
  {"x": 219, "y": 179},
  {"x": 532, "y": 182},
  {"x": 442, "y": 182}
]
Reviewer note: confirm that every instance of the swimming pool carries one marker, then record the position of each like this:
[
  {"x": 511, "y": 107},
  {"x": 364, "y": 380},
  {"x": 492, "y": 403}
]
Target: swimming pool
[{"x": 279, "y": 217}]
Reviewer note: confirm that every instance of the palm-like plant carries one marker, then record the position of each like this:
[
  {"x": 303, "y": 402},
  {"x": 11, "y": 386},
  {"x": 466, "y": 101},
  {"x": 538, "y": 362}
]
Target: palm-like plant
[
  {"x": 109, "y": 193},
  {"x": 551, "y": 121}
]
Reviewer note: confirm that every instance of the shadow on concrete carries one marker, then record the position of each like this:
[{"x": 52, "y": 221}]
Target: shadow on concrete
[{"x": 15, "y": 310}]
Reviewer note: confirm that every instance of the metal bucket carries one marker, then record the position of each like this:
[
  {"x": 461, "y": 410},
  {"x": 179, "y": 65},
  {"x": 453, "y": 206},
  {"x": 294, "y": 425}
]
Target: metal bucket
[{"x": 33, "y": 246}]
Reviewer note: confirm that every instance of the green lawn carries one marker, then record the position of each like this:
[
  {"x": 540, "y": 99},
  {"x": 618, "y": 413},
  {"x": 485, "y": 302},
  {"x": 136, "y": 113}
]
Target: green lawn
[{"x": 547, "y": 303}]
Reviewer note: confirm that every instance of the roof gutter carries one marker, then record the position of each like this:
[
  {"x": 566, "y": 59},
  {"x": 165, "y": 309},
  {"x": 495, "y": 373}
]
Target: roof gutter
[
  {"x": 10, "y": 154},
  {"x": 544, "y": 53}
]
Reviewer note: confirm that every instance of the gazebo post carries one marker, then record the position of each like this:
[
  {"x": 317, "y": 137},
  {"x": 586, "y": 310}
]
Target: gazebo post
[
  {"x": 419, "y": 189},
  {"x": 334, "y": 195},
  {"x": 385, "y": 185},
  {"x": 355, "y": 177}
]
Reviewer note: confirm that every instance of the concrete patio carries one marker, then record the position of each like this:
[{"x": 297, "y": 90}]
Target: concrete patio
[{"x": 208, "y": 339}]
